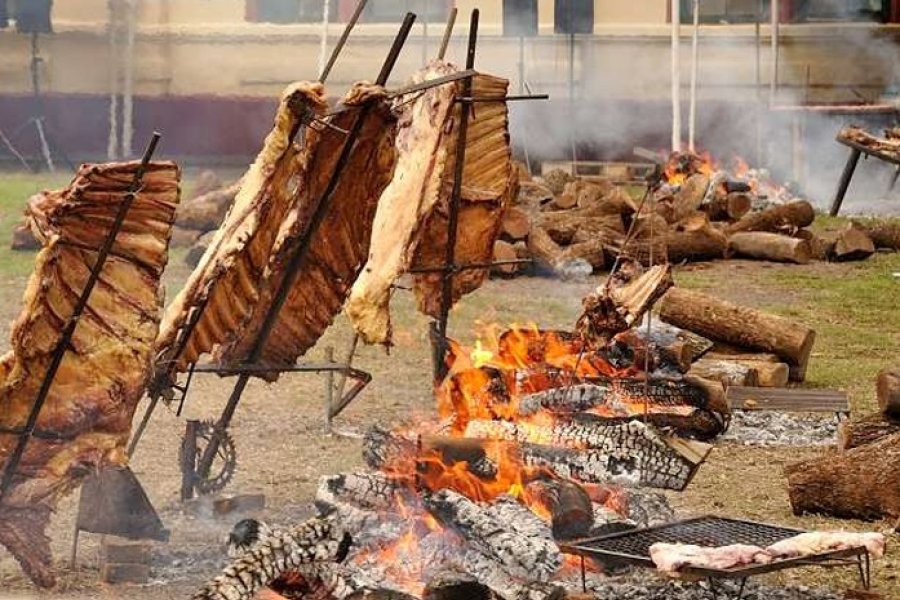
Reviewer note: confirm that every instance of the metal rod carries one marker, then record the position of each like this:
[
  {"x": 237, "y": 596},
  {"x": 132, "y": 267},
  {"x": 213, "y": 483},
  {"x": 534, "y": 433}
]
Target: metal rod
[
  {"x": 323, "y": 76},
  {"x": 296, "y": 260},
  {"x": 261, "y": 368},
  {"x": 844, "y": 182},
  {"x": 773, "y": 73},
  {"x": 329, "y": 389},
  {"x": 348, "y": 362},
  {"x": 572, "y": 118},
  {"x": 448, "y": 32},
  {"x": 65, "y": 340},
  {"x": 455, "y": 197},
  {"x": 758, "y": 64},
  {"x": 503, "y": 98},
  {"x": 695, "y": 59},
  {"x": 469, "y": 266},
  {"x": 676, "y": 74}
]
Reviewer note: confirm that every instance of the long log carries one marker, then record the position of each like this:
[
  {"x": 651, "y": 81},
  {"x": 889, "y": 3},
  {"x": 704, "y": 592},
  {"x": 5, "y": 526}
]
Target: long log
[
  {"x": 884, "y": 234},
  {"x": 741, "y": 326},
  {"x": 888, "y": 392},
  {"x": 785, "y": 217},
  {"x": 852, "y": 244},
  {"x": 505, "y": 531},
  {"x": 866, "y": 430},
  {"x": 505, "y": 586},
  {"x": 770, "y": 246},
  {"x": 628, "y": 452},
  {"x": 861, "y": 483}
]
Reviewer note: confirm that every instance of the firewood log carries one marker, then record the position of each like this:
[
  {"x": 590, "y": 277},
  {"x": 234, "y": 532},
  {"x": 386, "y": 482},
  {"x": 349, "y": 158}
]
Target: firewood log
[
  {"x": 741, "y": 326},
  {"x": 727, "y": 372},
  {"x": 866, "y": 430},
  {"x": 690, "y": 196},
  {"x": 670, "y": 351},
  {"x": 820, "y": 247},
  {"x": 728, "y": 207},
  {"x": 456, "y": 585},
  {"x": 532, "y": 195},
  {"x": 695, "y": 238},
  {"x": 767, "y": 372},
  {"x": 542, "y": 247},
  {"x": 770, "y": 246},
  {"x": 785, "y": 217},
  {"x": 569, "y": 506},
  {"x": 564, "y": 201},
  {"x": 506, "y": 587},
  {"x": 592, "y": 250},
  {"x": 884, "y": 234},
  {"x": 852, "y": 244},
  {"x": 504, "y": 251},
  {"x": 888, "y": 392},
  {"x": 504, "y": 530},
  {"x": 861, "y": 483},
  {"x": 515, "y": 224},
  {"x": 563, "y": 225},
  {"x": 557, "y": 179}
]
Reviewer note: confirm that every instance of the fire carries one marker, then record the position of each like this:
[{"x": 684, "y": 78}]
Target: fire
[{"x": 681, "y": 165}]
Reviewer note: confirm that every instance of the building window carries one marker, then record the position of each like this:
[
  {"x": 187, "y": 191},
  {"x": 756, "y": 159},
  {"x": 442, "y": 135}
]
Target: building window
[
  {"x": 290, "y": 11},
  {"x": 792, "y": 11}
]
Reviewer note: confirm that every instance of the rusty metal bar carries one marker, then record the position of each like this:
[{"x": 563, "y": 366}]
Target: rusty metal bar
[
  {"x": 514, "y": 98},
  {"x": 455, "y": 197},
  {"x": 65, "y": 340},
  {"x": 293, "y": 266},
  {"x": 470, "y": 266},
  {"x": 323, "y": 76}
]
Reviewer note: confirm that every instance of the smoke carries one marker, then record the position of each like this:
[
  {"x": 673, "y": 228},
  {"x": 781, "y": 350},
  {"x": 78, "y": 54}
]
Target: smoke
[{"x": 622, "y": 100}]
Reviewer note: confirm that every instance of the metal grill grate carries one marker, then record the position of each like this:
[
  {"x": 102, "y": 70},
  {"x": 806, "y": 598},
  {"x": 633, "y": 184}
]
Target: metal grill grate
[{"x": 702, "y": 531}]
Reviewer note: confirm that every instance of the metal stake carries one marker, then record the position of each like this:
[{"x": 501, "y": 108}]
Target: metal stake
[
  {"x": 65, "y": 340},
  {"x": 448, "y": 31},
  {"x": 465, "y": 110}
]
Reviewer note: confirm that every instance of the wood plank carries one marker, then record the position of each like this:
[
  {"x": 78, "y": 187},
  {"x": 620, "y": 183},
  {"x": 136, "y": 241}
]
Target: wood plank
[{"x": 787, "y": 399}]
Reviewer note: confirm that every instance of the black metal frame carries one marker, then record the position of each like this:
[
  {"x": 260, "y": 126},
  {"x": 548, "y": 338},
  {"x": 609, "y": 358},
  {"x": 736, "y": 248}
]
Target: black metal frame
[
  {"x": 858, "y": 557},
  {"x": 856, "y": 151},
  {"x": 65, "y": 340}
]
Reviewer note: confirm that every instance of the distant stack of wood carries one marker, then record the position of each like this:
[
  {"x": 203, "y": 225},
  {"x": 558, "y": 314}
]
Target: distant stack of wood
[
  {"x": 861, "y": 478},
  {"x": 715, "y": 339},
  {"x": 566, "y": 223},
  {"x": 200, "y": 216}
]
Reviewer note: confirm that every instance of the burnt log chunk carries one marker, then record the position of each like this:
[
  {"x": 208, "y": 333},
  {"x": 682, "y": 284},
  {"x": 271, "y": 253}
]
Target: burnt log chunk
[
  {"x": 888, "y": 392},
  {"x": 569, "y": 506},
  {"x": 456, "y": 585}
]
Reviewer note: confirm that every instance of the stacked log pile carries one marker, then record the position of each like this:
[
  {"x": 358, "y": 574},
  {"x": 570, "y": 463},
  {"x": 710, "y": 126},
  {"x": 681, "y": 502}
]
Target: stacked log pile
[
  {"x": 860, "y": 479},
  {"x": 573, "y": 226}
]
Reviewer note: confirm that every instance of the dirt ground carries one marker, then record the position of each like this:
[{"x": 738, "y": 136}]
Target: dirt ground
[{"x": 282, "y": 449}]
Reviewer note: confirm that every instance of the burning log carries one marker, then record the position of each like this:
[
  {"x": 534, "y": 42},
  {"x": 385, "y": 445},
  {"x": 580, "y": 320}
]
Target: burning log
[
  {"x": 888, "y": 392},
  {"x": 722, "y": 321},
  {"x": 365, "y": 500},
  {"x": 622, "y": 300},
  {"x": 784, "y": 217},
  {"x": 725, "y": 371},
  {"x": 314, "y": 542},
  {"x": 671, "y": 353},
  {"x": 884, "y": 234},
  {"x": 688, "y": 199},
  {"x": 861, "y": 483},
  {"x": 692, "y": 405},
  {"x": 770, "y": 246},
  {"x": 504, "y": 531},
  {"x": 860, "y": 432},
  {"x": 507, "y": 587},
  {"x": 567, "y": 503},
  {"x": 852, "y": 244},
  {"x": 728, "y": 207}
]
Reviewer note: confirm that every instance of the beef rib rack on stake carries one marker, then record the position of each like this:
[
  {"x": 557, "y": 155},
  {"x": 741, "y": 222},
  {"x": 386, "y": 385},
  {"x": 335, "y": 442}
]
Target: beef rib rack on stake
[
  {"x": 86, "y": 418},
  {"x": 410, "y": 226}
]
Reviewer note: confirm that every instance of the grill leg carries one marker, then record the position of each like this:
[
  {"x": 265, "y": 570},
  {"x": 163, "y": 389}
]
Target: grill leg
[
  {"x": 583, "y": 577},
  {"x": 712, "y": 588},
  {"x": 844, "y": 182},
  {"x": 865, "y": 570},
  {"x": 741, "y": 588}
]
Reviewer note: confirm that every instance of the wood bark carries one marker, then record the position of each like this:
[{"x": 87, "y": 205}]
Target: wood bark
[
  {"x": 740, "y": 326},
  {"x": 690, "y": 196},
  {"x": 861, "y": 483},
  {"x": 542, "y": 247},
  {"x": 515, "y": 224},
  {"x": 888, "y": 392},
  {"x": 852, "y": 244},
  {"x": 884, "y": 234},
  {"x": 728, "y": 207},
  {"x": 866, "y": 430},
  {"x": 820, "y": 247},
  {"x": 562, "y": 226},
  {"x": 727, "y": 372},
  {"x": 504, "y": 251},
  {"x": 703, "y": 242},
  {"x": 456, "y": 585},
  {"x": 785, "y": 217},
  {"x": 770, "y": 246}
]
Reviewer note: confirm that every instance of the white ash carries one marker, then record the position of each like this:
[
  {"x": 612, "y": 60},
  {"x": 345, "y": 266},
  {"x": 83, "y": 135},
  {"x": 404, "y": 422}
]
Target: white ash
[
  {"x": 770, "y": 428},
  {"x": 641, "y": 584}
]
